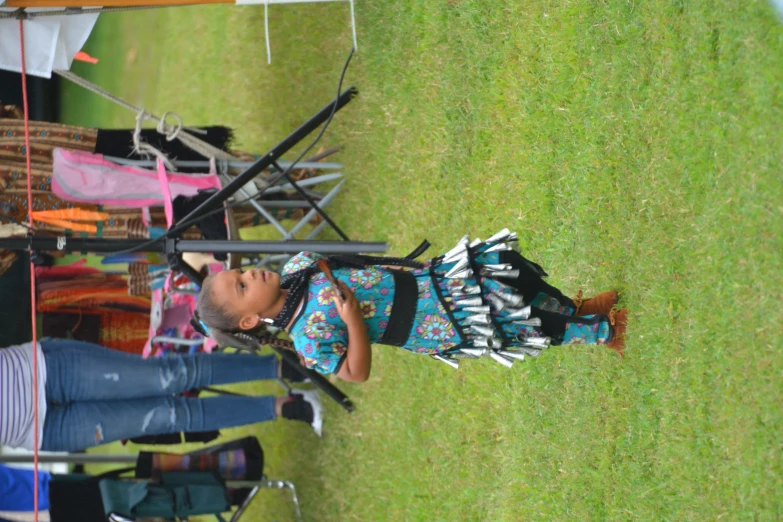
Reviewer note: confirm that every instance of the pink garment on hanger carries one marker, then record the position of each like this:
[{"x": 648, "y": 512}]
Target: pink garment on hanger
[
  {"x": 165, "y": 189},
  {"x": 85, "y": 177}
]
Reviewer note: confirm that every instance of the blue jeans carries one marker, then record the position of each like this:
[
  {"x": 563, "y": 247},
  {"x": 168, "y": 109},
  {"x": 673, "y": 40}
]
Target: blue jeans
[{"x": 95, "y": 395}]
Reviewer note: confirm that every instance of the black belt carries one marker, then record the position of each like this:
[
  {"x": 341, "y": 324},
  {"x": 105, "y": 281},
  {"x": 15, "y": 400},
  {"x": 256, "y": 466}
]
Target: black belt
[{"x": 406, "y": 297}]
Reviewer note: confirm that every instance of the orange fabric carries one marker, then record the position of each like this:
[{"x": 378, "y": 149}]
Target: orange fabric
[
  {"x": 62, "y": 216},
  {"x": 84, "y": 57},
  {"x": 76, "y": 227}
]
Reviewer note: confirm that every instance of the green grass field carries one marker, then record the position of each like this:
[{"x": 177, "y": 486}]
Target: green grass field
[{"x": 633, "y": 145}]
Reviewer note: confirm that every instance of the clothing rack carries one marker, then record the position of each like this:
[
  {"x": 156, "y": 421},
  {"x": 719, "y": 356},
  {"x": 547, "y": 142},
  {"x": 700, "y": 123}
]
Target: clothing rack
[{"x": 261, "y": 206}]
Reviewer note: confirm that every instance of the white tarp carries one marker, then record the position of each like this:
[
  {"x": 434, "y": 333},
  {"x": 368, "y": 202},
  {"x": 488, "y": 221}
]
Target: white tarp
[{"x": 50, "y": 42}]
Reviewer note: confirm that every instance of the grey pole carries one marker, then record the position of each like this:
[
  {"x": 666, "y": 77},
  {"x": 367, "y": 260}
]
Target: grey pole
[{"x": 75, "y": 458}]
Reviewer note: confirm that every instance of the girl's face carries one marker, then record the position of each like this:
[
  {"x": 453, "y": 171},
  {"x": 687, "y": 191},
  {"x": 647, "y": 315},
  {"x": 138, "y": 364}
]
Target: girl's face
[{"x": 248, "y": 294}]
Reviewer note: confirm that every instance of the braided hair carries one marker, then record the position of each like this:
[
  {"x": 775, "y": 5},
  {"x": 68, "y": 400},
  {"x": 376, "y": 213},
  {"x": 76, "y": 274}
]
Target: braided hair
[{"x": 213, "y": 320}]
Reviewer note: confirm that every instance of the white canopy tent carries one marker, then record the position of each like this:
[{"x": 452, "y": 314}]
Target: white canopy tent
[
  {"x": 51, "y": 42},
  {"x": 53, "y": 39}
]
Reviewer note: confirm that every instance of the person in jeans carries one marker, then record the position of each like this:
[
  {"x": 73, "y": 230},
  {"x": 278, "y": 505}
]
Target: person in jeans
[{"x": 89, "y": 395}]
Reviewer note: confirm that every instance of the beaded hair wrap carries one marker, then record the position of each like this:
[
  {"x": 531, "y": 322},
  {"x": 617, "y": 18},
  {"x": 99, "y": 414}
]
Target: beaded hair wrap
[
  {"x": 199, "y": 325},
  {"x": 236, "y": 338}
]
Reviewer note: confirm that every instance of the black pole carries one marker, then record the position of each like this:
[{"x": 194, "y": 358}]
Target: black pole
[
  {"x": 280, "y": 247},
  {"x": 265, "y": 161},
  {"x": 168, "y": 246},
  {"x": 319, "y": 380}
]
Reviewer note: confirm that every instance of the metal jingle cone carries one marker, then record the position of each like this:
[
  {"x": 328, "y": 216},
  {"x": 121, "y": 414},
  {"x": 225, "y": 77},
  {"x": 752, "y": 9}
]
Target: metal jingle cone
[
  {"x": 537, "y": 342},
  {"x": 484, "y": 331},
  {"x": 533, "y": 321},
  {"x": 514, "y": 300},
  {"x": 482, "y": 319},
  {"x": 510, "y": 274},
  {"x": 512, "y": 237},
  {"x": 512, "y": 355},
  {"x": 500, "y": 235},
  {"x": 462, "y": 246},
  {"x": 522, "y": 313},
  {"x": 532, "y": 352},
  {"x": 497, "y": 267},
  {"x": 504, "y": 286},
  {"x": 463, "y": 274},
  {"x": 461, "y": 254},
  {"x": 484, "y": 309},
  {"x": 505, "y": 361},
  {"x": 474, "y": 243},
  {"x": 496, "y": 302},
  {"x": 458, "y": 356},
  {"x": 454, "y": 364},
  {"x": 461, "y": 265},
  {"x": 474, "y": 352},
  {"x": 486, "y": 342},
  {"x": 470, "y": 301},
  {"x": 466, "y": 290},
  {"x": 498, "y": 247}
]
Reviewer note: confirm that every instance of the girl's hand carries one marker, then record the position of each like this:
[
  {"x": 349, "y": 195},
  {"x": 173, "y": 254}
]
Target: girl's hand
[
  {"x": 358, "y": 358},
  {"x": 348, "y": 307}
]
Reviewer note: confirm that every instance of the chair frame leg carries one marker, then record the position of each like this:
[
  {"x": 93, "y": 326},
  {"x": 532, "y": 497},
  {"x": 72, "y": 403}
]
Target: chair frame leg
[{"x": 267, "y": 483}]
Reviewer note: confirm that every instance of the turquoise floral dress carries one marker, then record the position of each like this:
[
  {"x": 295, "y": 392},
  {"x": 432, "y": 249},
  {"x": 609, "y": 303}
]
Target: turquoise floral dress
[{"x": 468, "y": 306}]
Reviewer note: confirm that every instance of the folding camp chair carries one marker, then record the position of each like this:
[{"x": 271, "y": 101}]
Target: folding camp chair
[
  {"x": 176, "y": 497},
  {"x": 211, "y": 481},
  {"x": 222, "y": 475},
  {"x": 236, "y": 516},
  {"x": 249, "y": 473}
]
